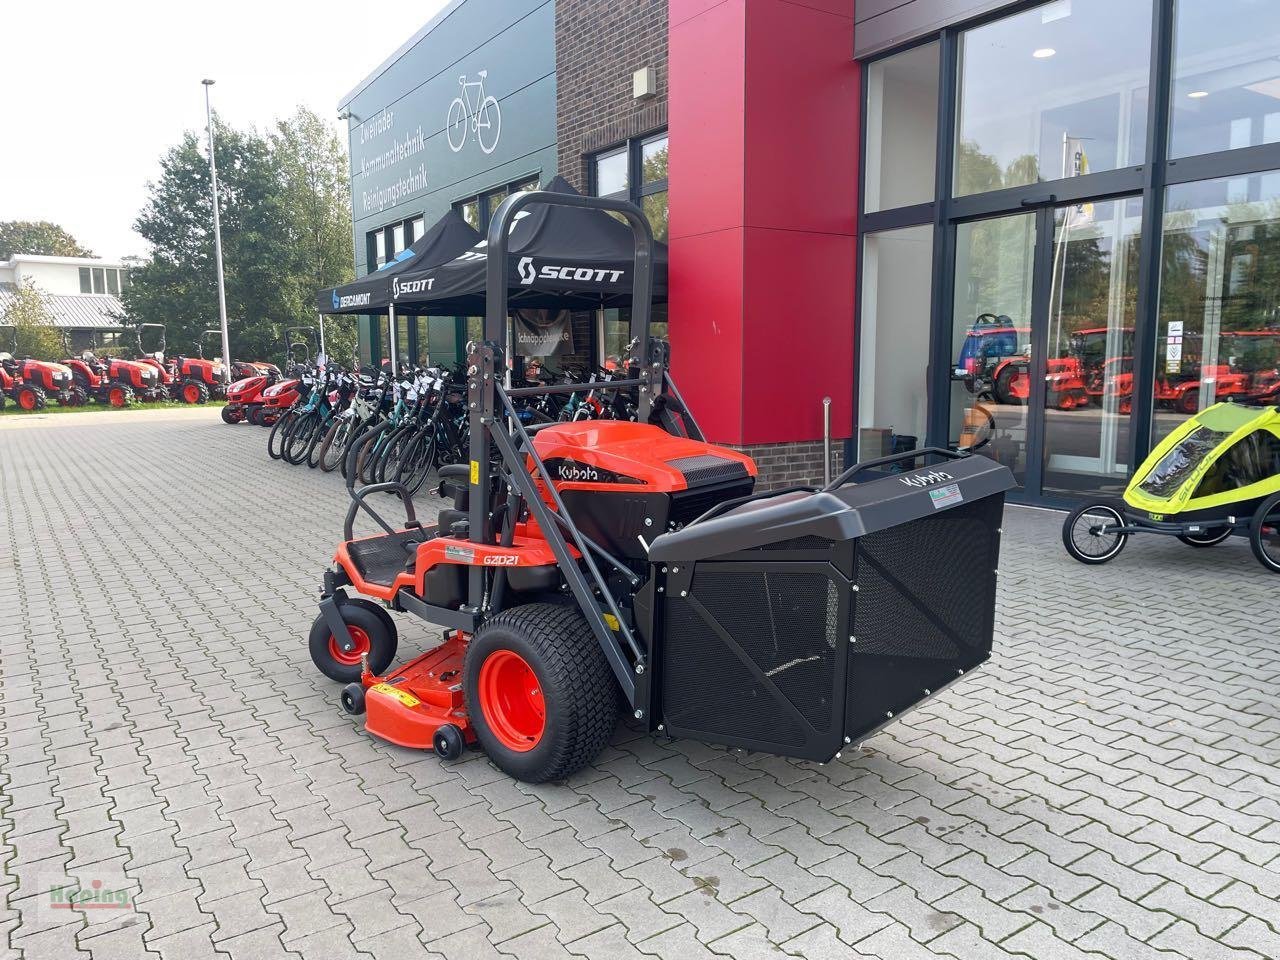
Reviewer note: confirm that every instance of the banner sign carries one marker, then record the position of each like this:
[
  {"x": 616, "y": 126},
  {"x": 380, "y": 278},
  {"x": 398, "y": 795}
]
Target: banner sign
[{"x": 543, "y": 333}]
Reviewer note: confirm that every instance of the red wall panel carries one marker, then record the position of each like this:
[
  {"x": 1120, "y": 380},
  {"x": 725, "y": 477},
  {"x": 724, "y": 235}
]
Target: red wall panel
[{"x": 763, "y": 170}]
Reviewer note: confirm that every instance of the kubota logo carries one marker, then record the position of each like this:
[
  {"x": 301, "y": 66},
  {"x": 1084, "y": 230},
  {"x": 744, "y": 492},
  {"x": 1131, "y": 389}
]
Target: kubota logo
[
  {"x": 556, "y": 271},
  {"x": 925, "y": 479},
  {"x": 578, "y": 472}
]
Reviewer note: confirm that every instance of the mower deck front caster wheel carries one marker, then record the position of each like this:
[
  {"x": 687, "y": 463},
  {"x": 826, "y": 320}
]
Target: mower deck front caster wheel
[
  {"x": 352, "y": 698},
  {"x": 449, "y": 742},
  {"x": 542, "y": 697},
  {"x": 370, "y": 635}
]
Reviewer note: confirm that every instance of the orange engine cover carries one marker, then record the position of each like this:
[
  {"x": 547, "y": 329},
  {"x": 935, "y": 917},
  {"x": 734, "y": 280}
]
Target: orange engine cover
[{"x": 632, "y": 457}]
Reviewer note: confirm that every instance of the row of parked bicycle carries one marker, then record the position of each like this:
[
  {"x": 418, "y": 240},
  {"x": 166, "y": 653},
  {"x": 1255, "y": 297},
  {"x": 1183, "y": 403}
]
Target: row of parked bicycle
[{"x": 375, "y": 429}]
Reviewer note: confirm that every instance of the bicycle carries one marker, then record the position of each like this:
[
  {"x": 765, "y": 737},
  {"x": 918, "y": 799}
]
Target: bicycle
[{"x": 481, "y": 116}]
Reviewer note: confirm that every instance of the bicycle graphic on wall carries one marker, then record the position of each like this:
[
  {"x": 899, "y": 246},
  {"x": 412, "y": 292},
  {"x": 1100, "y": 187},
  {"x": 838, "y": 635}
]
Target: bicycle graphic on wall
[{"x": 475, "y": 111}]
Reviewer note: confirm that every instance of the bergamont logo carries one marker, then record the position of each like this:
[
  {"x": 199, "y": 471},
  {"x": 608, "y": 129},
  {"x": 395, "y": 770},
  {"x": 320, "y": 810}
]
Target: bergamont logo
[{"x": 350, "y": 300}]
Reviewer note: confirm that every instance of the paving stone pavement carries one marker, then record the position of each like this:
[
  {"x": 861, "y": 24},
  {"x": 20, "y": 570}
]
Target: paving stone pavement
[{"x": 1106, "y": 787}]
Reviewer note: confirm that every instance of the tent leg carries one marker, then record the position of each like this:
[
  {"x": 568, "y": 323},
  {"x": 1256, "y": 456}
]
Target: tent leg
[
  {"x": 320, "y": 317},
  {"x": 391, "y": 332}
]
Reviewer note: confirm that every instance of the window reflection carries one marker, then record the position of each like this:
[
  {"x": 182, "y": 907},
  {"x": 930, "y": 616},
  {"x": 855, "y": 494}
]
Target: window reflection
[{"x": 1054, "y": 92}]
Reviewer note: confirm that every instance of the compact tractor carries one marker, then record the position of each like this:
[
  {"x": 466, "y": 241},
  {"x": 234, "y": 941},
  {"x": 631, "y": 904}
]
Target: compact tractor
[
  {"x": 591, "y": 567},
  {"x": 30, "y": 383},
  {"x": 113, "y": 380}
]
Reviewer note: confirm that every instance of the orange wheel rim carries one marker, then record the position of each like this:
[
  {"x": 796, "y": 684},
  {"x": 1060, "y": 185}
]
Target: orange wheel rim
[
  {"x": 511, "y": 700},
  {"x": 192, "y": 393},
  {"x": 27, "y": 400},
  {"x": 350, "y": 658},
  {"x": 117, "y": 398}
]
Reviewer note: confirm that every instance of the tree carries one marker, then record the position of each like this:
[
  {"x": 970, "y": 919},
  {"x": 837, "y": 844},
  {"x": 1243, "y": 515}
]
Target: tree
[
  {"x": 32, "y": 321},
  {"x": 317, "y": 199},
  {"x": 286, "y": 229},
  {"x": 38, "y": 238}
]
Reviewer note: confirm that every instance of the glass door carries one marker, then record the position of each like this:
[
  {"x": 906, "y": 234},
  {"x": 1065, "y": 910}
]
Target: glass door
[
  {"x": 991, "y": 339},
  {"x": 1043, "y": 316},
  {"x": 1088, "y": 372}
]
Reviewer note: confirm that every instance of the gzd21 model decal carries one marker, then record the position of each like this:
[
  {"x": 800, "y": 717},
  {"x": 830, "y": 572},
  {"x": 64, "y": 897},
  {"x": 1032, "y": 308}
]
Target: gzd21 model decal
[{"x": 555, "y": 271}]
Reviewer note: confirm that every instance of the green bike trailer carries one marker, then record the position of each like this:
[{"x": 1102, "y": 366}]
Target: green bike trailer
[{"x": 1217, "y": 474}]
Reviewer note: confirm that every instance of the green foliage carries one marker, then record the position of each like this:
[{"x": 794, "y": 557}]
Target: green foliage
[
  {"x": 38, "y": 238},
  {"x": 286, "y": 228},
  {"x": 33, "y": 333}
]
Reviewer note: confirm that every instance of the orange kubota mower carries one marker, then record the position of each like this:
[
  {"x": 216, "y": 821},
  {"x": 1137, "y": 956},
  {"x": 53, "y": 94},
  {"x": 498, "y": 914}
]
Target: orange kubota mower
[{"x": 591, "y": 567}]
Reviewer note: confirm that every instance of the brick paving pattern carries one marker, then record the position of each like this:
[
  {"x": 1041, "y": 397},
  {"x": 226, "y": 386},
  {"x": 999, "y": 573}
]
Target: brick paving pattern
[{"x": 1107, "y": 787}]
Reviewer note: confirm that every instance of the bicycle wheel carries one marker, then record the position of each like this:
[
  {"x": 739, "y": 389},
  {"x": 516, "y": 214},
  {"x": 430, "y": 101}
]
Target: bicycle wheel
[
  {"x": 354, "y": 439},
  {"x": 393, "y": 452},
  {"x": 322, "y": 432},
  {"x": 279, "y": 430},
  {"x": 335, "y": 444},
  {"x": 295, "y": 445},
  {"x": 419, "y": 460},
  {"x": 363, "y": 455}
]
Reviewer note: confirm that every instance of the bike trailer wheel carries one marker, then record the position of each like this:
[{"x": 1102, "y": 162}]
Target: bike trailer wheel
[
  {"x": 1086, "y": 532},
  {"x": 1210, "y": 538},
  {"x": 1264, "y": 533}
]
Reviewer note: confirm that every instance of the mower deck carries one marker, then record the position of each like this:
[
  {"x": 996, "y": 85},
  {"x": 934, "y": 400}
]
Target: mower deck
[{"x": 409, "y": 706}]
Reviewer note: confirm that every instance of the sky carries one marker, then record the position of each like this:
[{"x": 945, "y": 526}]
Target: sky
[{"x": 98, "y": 92}]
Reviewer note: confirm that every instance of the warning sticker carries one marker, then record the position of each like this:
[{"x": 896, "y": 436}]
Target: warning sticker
[
  {"x": 475, "y": 471},
  {"x": 405, "y": 697},
  {"x": 464, "y": 554},
  {"x": 947, "y": 496}
]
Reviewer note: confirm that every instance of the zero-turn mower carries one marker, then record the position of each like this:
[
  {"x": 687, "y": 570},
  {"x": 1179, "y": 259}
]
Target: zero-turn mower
[{"x": 588, "y": 567}]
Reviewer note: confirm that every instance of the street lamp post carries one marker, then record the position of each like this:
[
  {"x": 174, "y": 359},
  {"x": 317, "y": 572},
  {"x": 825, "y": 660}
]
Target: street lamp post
[{"x": 217, "y": 240}]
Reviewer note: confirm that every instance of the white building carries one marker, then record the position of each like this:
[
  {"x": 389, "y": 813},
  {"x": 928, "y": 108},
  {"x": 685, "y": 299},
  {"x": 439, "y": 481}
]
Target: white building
[{"x": 83, "y": 294}]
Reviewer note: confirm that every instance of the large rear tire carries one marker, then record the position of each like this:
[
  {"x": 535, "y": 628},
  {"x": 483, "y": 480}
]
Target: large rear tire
[
  {"x": 1264, "y": 533},
  {"x": 539, "y": 692},
  {"x": 193, "y": 391},
  {"x": 1084, "y": 532}
]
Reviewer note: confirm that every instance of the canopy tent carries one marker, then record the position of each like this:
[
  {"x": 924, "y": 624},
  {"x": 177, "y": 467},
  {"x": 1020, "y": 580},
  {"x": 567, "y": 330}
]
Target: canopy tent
[
  {"x": 566, "y": 258},
  {"x": 448, "y": 238}
]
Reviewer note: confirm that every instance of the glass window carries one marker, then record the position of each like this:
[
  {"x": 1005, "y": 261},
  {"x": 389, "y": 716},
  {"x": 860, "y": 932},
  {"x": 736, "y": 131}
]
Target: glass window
[
  {"x": 902, "y": 128},
  {"x": 611, "y": 173},
  {"x": 1093, "y": 296},
  {"x": 653, "y": 160},
  {"x": 1057, "y": 91},
  {"x": 1219, "y": 332},
  {"x": 991, "y": 323},
  {"x": 124, "y": 280},
  {"x": 379, "y": 248},
  {"x": 893, "y": 365},
  {"x": 113, "y": 282},
  {"x": 1226, "y": 75},
  {"x": 526, "y": 185},
  {"x": 493, "y": 201},
  {"x": 99, "y": 280},
  {"x": 397, "y": 239},
  {"x": 655, "y": 209},
  {"x": 86, "y": 284},
  {"x": 471, "y": 213}
]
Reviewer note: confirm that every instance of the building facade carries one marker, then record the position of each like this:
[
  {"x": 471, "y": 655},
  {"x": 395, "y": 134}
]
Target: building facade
[
  {"x": 1046, "y": 230},
  {"x": 82, "y": 294}
]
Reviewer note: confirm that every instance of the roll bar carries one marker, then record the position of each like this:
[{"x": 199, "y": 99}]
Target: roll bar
[
  {"x": 496, "y": 428},
  {"x": 495, "y": 319}
]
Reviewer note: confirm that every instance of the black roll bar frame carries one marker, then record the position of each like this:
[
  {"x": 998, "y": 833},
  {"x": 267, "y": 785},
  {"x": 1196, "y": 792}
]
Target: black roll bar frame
[{"x": 489, "y": 404}]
